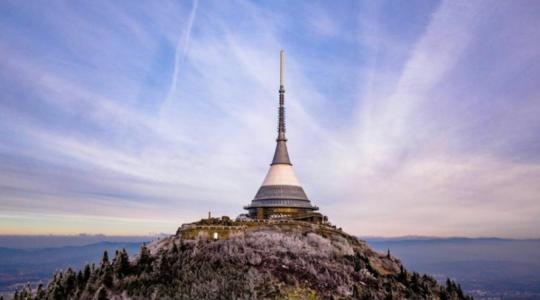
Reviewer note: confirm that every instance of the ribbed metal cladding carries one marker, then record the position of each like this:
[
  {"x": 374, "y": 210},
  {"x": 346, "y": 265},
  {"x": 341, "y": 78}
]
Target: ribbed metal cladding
[
  {"x": 281, "y": 192},
  {"x": 281, "y": 203},
  {"x": 281, "y": 196}
]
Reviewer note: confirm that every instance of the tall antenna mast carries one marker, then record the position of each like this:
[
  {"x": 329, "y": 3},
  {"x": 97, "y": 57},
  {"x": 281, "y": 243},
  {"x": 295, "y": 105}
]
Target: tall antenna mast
[{"x": 281, "y": 156}]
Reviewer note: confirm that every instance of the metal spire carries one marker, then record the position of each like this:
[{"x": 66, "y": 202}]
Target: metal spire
[
  {"x": 281, "y": 156},
  {"x": 281, "y": 126}
]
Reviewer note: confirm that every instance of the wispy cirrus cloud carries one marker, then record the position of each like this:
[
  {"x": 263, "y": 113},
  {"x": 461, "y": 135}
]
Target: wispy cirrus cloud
[{"x": 181, "y": 50}]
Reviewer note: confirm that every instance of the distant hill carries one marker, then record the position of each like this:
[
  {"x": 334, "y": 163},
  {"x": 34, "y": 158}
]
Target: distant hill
[
  {"x": 55, "y": 241},
  {"x": 19, "y": 266}
]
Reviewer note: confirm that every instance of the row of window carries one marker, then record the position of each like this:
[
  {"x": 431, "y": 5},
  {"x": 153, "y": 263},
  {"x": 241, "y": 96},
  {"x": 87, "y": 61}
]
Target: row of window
[{"x": 282, "y": 202}]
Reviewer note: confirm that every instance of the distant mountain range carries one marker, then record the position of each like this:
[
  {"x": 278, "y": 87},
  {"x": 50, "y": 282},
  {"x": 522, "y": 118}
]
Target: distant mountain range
[
  {"x": 20, "y": 266},
  {"x": 437, "y": 238},
  {"x": 55, "y": 241}
]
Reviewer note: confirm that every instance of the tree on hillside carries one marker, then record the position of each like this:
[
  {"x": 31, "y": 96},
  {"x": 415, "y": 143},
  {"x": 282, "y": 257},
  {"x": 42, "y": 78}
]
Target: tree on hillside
[
  {"x": 120, "y": 263},
  {"x": 145, "y": 260},
  {"x": 105, "y": 259}
]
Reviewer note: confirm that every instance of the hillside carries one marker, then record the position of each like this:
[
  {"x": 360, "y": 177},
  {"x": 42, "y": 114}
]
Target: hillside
[{"x": 266, "y": 261}]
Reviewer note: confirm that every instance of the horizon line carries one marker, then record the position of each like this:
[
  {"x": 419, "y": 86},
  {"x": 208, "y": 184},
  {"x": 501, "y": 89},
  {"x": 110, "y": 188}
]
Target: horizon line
[{"x": 410, "y": 236}]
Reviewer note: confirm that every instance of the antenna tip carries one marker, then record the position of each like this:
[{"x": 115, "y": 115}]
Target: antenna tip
[{"x": 281, "y": 67}]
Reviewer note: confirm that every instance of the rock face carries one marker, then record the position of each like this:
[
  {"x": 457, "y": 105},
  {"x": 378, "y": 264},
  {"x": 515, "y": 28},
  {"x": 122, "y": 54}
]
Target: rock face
[{"x": 266, "y": 262}]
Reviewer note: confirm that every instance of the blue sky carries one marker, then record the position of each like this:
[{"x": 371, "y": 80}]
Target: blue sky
[{"x": 404, "y": 117}]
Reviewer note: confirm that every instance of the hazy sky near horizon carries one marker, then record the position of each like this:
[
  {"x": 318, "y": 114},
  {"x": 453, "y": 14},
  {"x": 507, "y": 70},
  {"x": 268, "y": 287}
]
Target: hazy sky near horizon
[{"x": 403, "y": 117}]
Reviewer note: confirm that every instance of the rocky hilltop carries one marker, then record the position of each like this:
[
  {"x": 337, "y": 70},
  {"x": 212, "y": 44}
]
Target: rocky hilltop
[{"x": 255, "y": 260}]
